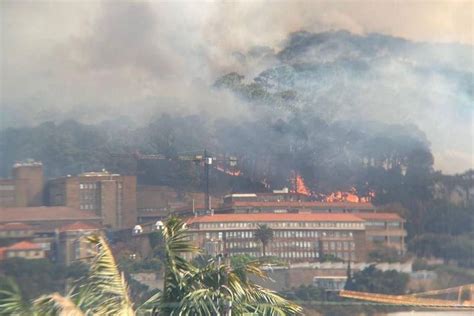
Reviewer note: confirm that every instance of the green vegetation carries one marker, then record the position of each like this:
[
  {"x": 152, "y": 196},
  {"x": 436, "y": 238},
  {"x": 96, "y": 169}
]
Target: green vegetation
[
  {"x": 383, "y": 253},
  {"x": 458, "y": 248},
  {"x": 39, "y": 276},
  {"x": 376, "y": 281},
  {"x": 212, "y": 289}
]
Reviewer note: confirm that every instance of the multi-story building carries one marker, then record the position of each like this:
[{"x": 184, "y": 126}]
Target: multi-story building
[
  {"x": 56, "y": 230},
  {"x": 73, "y": 245},
  {"x": 385, "y": 229},
  {"x": 110, "y": 196},
  {"x": 22, "y": 249},
  {"x": 45, "y": 218},
  {"x": 296, "y": 237},
  {"x": 17, "y": 231},
  {"x": 25, "y": 188},
  {"x": 286, "y": 203}
]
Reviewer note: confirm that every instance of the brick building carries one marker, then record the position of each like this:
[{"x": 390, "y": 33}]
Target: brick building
[
  {"x": 54, "y": 229},
  {"x": 22, "y": 249},
  {"x": 110, "y": 196},
  {"x": 25, "y": 188},
  {"x": 385, "y": 229},
  {"x": 286, "y": 203},
  {"x": 72, "y": 242},
  {"x": 296, "y": 237}
]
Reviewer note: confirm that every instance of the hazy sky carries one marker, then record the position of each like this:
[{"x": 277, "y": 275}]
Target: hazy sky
[{"x": 95, "y": 57}]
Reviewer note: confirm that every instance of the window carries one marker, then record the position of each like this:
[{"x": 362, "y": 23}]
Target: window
[{"x": 393, "y": 224}]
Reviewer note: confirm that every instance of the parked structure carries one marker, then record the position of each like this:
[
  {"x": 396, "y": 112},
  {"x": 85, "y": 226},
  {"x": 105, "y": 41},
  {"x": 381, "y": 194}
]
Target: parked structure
[{"x": 110, "y": 196}]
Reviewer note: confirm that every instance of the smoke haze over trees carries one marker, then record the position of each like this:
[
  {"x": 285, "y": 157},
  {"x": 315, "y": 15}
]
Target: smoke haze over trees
[{"x": 96, "y": 60}]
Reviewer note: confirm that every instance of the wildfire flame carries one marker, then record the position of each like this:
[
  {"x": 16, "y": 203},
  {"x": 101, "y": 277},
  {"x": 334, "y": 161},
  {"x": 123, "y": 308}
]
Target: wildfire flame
[
  {"x": 299, "y": 185},
  {"x": 350, "y": 196},
  {"x": 233, "y": 173}
]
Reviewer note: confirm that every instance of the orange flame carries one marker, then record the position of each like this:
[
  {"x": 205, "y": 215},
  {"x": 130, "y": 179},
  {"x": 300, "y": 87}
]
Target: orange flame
[
  {"x": 299, "y": 185},
  {"x": 350, "y": 196}
]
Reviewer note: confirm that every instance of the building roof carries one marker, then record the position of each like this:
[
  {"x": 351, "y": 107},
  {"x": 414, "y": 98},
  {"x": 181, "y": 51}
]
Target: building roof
[
  {"x": 270, "y": 217},
  {"x": 15, "y": 226},
  {"x": 302, "y": 204},
  {"x": 76, "y": 226},
  {"x": 24, "y": 245},
  {"x": 380, "y": 216},
  {"x": 44, "y": 213}
]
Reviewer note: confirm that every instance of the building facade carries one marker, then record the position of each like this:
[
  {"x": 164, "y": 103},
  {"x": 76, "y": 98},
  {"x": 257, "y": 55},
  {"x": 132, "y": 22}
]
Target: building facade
[
  {"x": 25, "y": 188},
  {"x": 73, "y": 245},
  {"x": 22, "y": 249},
  {"x": 385, "y": 229},
  {"x": 286, "y": 203},
  {"x": 110, "y": 196},
  {"x": 296, "y": 237}
]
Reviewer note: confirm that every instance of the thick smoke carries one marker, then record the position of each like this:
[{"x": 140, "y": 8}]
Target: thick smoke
[{"x": 95, "y": 60}]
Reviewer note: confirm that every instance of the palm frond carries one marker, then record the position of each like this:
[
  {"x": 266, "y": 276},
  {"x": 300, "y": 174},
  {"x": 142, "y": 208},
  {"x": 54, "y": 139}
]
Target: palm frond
[
  {"x": 105, "y": 283},
  {"x": 12, "y": 301},
  {"x": 56, "y": 304}
]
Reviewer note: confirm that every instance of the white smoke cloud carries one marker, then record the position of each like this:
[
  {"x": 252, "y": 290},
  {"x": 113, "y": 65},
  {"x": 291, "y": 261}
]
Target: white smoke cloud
[{"x": 94, "y": 59}]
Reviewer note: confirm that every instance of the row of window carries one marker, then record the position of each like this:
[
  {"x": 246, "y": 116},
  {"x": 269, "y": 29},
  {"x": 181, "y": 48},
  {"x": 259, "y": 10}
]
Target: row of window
[
  {"x": 15, "y": 233},
  {"x": 308, "y": 255},
  {"x": 7, "y": 187},
  {"x": 383, "y": 224},
  {"x": 312, "y": 234},
  {"x": 395, "y": 239},
  {"x": 280, "y": 234},
  {"x": 90, "y": 186},
  {"x": 87, "y": 207},
  {"x": 282, "y": 225},
  {"x": 332, "y": 245},
  {"x": 240, "y": 245}
]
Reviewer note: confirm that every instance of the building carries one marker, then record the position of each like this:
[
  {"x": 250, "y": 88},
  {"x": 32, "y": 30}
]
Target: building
[
  {"x": 110, "y": 196},
  {"x": 330, "y": 283},
  {"x": 158, "y": 202},
  {"x": 14, "y": 230},
  {"x": 25, "y": 188},
  {"x": 387, "y": 229},
  {"x": 296, "y": 237},
  {"x": 73, "y": 245},
  {"x": 51, "y": 228},
  {"x": 22, "y": 249},
  {"x": 287, "y": 203},
  {"x": 46, "y": 219}
]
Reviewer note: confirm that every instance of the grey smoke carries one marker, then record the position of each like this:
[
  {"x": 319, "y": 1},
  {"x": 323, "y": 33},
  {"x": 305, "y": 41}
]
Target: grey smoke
[{"x": 95, "y": 60}]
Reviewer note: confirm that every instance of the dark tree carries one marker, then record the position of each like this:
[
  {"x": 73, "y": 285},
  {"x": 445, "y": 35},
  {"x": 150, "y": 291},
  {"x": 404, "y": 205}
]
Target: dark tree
[{"x": 264, "y": 234}]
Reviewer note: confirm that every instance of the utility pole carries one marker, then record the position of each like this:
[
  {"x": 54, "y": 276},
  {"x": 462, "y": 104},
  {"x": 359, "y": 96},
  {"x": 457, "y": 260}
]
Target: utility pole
[{"x": 207, "y": 167}]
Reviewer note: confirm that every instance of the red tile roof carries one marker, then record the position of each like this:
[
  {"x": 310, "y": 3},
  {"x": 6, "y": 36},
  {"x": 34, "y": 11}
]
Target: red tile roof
[
  {"x": 78, "y": 226},
  {"x": 44, "y": 213},
  {"x": 24, "y": 245},
  {"x": 302, "y": 204},
  {"x": 2, "y": 252},
  {"x": 15, "y": 226},
  {"x": 379, "y": 216},
  {"x": 270, "y": 217}
]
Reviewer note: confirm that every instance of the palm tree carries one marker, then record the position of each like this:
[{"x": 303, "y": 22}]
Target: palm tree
[
  {"x": 102, "y": 292},
  {"x": 264, "y": 234},
  {"x": 213, "y": 289}
]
